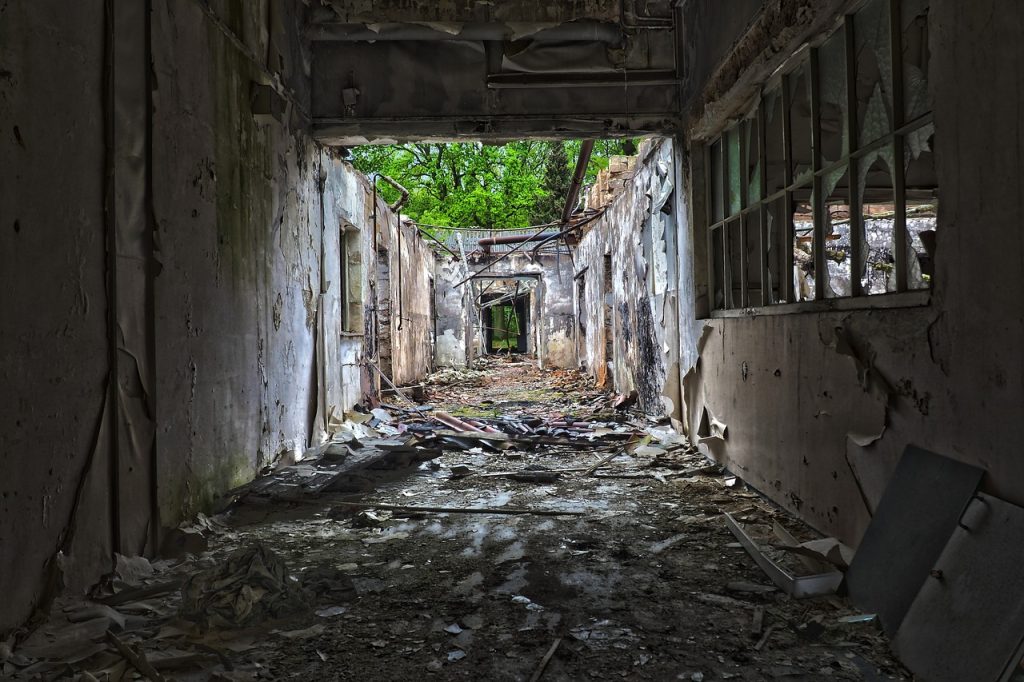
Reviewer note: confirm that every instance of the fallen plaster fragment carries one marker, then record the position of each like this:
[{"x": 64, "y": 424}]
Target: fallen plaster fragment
[{"x": 797, "y": 587}]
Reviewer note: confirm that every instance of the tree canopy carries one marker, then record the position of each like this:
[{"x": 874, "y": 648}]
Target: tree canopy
[{"x": 469, "y": 184}]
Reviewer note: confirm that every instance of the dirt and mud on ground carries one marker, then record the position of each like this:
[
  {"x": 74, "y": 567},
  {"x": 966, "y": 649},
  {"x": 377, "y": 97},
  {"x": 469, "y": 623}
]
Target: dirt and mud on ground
[{"x": 640, "y": 579}]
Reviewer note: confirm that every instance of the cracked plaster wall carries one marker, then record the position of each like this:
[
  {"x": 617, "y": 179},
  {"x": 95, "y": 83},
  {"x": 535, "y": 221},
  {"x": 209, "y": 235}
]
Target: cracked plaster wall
[
  {"x": 643, "y": 299},
  {"x": 238, "y": 217},
  {"x": 819, "y": 406},
  {"x": 451, "y": 305}
]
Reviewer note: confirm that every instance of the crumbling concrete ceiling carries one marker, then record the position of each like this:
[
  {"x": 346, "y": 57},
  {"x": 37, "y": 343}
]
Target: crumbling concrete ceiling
[{"x": 405, "y": 70}]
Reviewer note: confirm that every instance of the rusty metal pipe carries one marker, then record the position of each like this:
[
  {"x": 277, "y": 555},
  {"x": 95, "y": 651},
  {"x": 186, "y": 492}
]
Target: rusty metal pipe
[
  {"x": 455, "y": 423},
  {"x": 487, "y": 242}
]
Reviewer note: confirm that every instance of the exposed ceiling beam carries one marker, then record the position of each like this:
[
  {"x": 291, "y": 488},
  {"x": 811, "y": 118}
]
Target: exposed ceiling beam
[
  {"x": 606, "y": 79},
  {"x": 573, "y": 31}
]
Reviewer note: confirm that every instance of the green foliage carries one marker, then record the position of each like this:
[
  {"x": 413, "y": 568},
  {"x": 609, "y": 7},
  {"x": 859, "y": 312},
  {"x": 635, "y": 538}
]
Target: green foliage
[
  {"x": 557, "y": 179},
  {"x": 470, "y": 184}
]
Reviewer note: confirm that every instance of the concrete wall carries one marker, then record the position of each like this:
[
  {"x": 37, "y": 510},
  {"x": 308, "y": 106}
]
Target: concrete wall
[
  {"x": 819, "y": 406},
  {"x": 638, "y": 235},
  {"x": 172, "y": 314}
]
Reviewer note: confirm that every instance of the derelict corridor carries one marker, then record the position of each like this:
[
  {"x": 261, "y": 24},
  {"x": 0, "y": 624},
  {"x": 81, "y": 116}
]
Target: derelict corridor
[{"x": 696, "y": 359}]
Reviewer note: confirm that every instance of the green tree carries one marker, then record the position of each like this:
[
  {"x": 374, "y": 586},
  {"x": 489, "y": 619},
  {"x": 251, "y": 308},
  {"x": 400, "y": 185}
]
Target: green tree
[
  {"x": 469, "y": 184},
  {"x": 557, "y": 179}
]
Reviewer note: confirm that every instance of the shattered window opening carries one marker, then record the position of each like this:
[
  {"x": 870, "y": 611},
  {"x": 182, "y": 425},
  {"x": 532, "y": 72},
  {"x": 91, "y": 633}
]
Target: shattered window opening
[{"x": 879, "y": 216}]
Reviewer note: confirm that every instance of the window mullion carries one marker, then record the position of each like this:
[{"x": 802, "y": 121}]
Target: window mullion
[
  {"x": 709, "y": 208},
  {"x": 856, "y": 215},
  {"x": 788, "y": 227},
  {"x": 762, "y": 152},
  {"x": 818, "y": 201},
  {"x": 898, "y": 172},
  {"x": 742, "y": 173}
]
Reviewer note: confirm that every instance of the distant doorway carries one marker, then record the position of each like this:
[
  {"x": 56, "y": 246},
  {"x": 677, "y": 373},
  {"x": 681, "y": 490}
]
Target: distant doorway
[{"x": 506, "y": 328}]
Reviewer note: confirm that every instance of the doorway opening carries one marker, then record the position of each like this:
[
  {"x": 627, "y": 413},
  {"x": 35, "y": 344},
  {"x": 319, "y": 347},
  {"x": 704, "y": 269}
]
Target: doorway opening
[{"x": 506, "y": 324}]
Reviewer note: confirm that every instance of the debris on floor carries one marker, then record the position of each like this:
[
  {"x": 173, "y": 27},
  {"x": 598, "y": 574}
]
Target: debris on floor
[{"x": 513, "y": 528}]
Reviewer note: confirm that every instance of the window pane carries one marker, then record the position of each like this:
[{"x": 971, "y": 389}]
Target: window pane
[
  {"x": 775, "y": 165},
  {"x": 734, "y": 169},
  {"x": 752, "y": 144},
  {"x": 800, "y": 123},
  {"x": 803, "y": 245},
  {"x": 752, "y": 229},
  {"x": 835, "y": 127},
  {"x": 718, "y": 265},
  {"x": 873, "y": 45},
  {"x": 922, "y": 206},
  {"x": 717, "y": 183},
  {"x": 878, "y": 209},
  {"x": 915, "y": 58},
  {"x": 735, "y": 262},
  {"x": 838, "y": 249},
  {"x": 776, "y": 224}
]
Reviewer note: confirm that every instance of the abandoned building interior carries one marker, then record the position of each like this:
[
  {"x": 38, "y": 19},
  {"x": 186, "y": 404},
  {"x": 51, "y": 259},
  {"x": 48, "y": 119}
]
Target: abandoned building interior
[{"x": 750, "y": 409}]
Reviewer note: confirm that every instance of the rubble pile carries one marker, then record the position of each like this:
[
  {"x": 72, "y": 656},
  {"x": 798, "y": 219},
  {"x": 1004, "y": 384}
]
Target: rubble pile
[{"x": 533, "y": 532}]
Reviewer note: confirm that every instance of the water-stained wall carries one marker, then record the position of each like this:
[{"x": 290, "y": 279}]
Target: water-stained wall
[{"x": 411, "y": 269}]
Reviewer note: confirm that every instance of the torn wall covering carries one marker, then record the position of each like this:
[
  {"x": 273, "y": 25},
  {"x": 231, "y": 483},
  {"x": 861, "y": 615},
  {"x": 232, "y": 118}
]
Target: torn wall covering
[
  {"x": 170, "y": 326},
  {"x": 636, "y": 302},
  {"x": 820, "y": 405}
]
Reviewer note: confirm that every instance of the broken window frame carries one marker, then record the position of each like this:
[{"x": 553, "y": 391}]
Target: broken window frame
[{"x": 782, "y": 298}]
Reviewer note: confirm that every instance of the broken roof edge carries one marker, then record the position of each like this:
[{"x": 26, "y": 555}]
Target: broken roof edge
[{"x": 777, "y": 32}]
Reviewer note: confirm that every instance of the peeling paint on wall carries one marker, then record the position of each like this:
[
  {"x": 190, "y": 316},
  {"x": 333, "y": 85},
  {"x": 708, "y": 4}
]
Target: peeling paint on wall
[{"x": 632, "y": 300}]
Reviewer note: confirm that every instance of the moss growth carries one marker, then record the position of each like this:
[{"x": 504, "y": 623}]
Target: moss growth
[{"x": 473, "y": 412}]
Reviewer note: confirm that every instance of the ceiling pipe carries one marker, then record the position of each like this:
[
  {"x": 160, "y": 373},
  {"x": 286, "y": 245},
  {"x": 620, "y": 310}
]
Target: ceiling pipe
[
  {"x": 487, "y": 242},
  {"x": 573, "y": 31}
]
